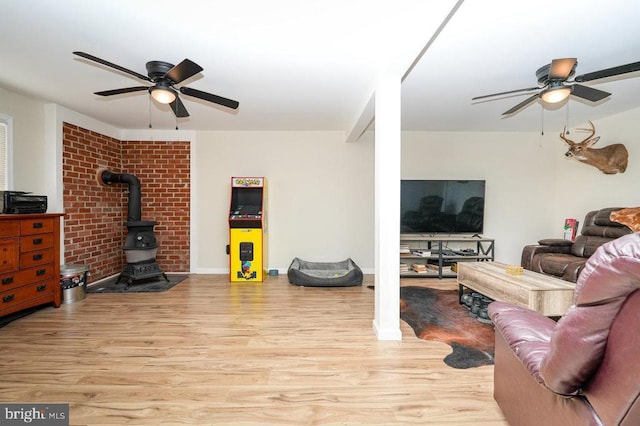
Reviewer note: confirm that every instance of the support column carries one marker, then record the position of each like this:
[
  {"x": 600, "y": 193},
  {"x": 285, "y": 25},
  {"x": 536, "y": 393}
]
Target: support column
[{"x": 387, "y": 207}]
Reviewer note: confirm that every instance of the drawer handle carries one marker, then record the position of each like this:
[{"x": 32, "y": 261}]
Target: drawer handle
[
  {"x": 7, "y": 281},
  {"x": 41, "y": 287},
  {"x": 41, "y": 272},
  {"x": 37, "y": 256},
  {"x": 8, "y": 298},
  {"x": 37, "y": 225},
  {"x": 37, "y": 241}
]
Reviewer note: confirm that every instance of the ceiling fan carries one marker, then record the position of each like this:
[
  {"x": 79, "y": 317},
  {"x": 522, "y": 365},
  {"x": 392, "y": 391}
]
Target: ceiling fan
[
  {"x": 164, "y": 77},
  {"x": 553, "y": 84}
]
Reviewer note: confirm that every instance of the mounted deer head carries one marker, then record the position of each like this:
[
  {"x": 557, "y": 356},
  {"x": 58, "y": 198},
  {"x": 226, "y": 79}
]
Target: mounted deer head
[{"x": 609, "y": 160}]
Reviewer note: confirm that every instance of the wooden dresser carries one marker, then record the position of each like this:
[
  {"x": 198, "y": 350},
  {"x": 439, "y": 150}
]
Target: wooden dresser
[{"x": 29, "y": 261}]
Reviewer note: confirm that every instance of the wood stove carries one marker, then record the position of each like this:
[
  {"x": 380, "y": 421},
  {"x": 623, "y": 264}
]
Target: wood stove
[{"x": 140, "y": 245}]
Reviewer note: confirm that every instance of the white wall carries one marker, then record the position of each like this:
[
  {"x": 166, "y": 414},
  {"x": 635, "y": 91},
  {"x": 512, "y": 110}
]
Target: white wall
[
  {"x": 531, "y": 186},
  {"x": 29, "y": 155},
  {"x": 319, "y": 192},
  {"x": 581, "y": 188}
]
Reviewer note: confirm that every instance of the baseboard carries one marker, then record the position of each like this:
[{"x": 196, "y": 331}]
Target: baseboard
[{"x": 386, "y": 334}]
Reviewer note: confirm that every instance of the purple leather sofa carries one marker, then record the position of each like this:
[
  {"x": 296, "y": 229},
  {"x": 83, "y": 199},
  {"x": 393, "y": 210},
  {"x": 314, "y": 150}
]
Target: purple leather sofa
[
  {"x": 565, "y": 259},
  {"x": 584, "y": 369}
]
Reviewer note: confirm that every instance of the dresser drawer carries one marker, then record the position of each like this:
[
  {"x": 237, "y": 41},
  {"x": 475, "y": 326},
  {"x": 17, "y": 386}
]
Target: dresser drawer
[
  {"x": 36, "y": 226},
  {"x": 36, "y": 257},
  {"x": 26, "y": 293},
  {"x": 9, "y": 228},
  {"x": 36, "y": 242},
  {"x": 9, "y": 254},
  {"x": 26, "y": 276}
]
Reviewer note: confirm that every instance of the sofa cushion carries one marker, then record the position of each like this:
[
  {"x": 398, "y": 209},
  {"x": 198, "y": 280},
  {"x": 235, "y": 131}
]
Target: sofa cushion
[
  {"x": 555, "y": 263},
  {"x": 525, "y": 331},
  {"x": 585, "y": 246},
  {"x": 578, "y": 342},
  {"x": 613, "y": 391},
  {"x": 603, "y": 217},
  {"x": 607, "y": 232}
]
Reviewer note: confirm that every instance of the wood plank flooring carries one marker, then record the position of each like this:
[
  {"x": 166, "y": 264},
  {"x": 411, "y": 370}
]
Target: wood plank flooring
[{"x": 211, "y": 352}]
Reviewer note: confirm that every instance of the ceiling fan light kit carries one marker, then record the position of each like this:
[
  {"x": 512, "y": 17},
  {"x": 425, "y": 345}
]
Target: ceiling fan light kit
[
  {"x": 553, "y": 95},
  {"x": 554, "y": 87},
  {"x": 164, "y": 77},
  {"x": 163, "y": 95}
]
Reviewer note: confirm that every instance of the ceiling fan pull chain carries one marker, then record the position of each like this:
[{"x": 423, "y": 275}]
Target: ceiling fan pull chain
[
  {"x": 566, "y": 123},
  {"x": 150, "y": 111},
  {"x": 176, "y": 112},
  {"x": 541, "y": 121}
]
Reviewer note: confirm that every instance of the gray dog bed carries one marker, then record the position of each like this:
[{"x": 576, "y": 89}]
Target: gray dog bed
[{"x": 324, "y": 274}]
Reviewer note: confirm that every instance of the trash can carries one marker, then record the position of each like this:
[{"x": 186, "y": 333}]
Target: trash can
[{"x": 73, "y": 280}]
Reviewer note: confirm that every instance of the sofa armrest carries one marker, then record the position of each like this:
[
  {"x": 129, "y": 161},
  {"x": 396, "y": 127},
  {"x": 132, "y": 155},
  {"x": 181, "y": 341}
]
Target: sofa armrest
[
  {"x": 555, "y": 242},
  {"x": 528, "y": 252},
  {"x": 526, "y": 332},
  {"x": 573, "y": 269}
]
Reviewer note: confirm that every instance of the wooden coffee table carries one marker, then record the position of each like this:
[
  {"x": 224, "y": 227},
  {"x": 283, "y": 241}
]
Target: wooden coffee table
[{"x": 548, "y": 295}]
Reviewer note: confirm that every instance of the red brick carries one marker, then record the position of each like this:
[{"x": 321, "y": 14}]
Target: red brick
[{"x": 93, "y": 236}]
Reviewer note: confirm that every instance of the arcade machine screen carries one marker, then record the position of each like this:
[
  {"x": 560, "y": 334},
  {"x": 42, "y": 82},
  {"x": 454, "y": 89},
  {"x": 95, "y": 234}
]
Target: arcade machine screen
[{"x": 246, "y": 203}]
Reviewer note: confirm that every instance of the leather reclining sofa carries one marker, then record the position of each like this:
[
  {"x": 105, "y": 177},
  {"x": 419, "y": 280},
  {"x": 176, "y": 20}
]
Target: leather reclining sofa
[
  {"x": 565, "y": 259},
  {"x": 583, "y": 369}
]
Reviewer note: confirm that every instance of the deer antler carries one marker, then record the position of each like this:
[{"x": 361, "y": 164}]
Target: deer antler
[
  {"x": 591, "y": 131},
  {"x": 562, "y": 136}
]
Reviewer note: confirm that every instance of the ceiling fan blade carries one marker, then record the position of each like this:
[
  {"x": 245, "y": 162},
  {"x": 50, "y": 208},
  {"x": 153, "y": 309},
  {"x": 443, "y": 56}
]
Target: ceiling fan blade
[
  {"x": 112, "y": 65},
  {"x": 609, "y": 72},
  {"x": 561, "y": 69},
  {"x": 183, "y": 71},
  {"x": 121, "y": 91},
  {"x": 210, "y": 97},
  {"x": 589, "y": 93},
  {"x": 178, "y": 108},
  {"x": 505, "y": 93},
  {"x": 522, "y": 104}
]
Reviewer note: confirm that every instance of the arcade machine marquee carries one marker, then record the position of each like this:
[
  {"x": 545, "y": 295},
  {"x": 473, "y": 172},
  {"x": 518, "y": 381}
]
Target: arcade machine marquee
[{"x": 247, "y": 229}]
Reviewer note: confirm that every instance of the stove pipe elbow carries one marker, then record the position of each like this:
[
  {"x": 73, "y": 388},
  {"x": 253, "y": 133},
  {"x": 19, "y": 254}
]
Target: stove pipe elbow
[{"x": 134, "y": 208}]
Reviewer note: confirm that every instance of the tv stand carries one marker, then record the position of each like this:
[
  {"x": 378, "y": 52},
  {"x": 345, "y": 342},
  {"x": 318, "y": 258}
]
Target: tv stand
[{"x": 429, "y": 255}]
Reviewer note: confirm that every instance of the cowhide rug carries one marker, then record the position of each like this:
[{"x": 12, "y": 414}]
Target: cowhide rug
[{"x": 436, "y": 315}]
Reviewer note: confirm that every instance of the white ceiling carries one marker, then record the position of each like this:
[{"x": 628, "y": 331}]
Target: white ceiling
[{"x": 311, "y": 65}]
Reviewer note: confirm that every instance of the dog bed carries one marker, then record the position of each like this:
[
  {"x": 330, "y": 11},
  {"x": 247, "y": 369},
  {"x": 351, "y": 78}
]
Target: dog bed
[{"x": 324, "y": 274}]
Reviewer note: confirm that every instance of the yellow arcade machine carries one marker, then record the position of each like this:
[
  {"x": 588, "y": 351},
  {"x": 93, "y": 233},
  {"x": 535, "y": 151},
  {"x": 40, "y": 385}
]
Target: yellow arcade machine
[{"x": 247, "y": 230}]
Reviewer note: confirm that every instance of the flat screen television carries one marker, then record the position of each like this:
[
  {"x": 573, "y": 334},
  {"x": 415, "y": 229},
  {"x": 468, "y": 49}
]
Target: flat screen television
[{"x": 442, "y": 206}]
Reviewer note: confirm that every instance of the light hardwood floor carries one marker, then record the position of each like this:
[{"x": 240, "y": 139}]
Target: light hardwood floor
[{"x": 213, "y": 352}]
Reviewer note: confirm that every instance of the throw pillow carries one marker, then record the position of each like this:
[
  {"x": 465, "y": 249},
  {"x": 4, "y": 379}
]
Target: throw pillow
[{"x": 629, "y": 217}]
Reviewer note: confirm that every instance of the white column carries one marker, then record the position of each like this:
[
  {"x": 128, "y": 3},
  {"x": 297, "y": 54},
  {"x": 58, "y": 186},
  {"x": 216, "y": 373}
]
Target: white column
[{"x": 387, "y": 207}]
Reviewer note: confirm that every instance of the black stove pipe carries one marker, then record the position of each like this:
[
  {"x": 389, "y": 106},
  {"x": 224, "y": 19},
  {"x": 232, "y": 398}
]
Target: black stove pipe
[{"x": 134, "y": 209}]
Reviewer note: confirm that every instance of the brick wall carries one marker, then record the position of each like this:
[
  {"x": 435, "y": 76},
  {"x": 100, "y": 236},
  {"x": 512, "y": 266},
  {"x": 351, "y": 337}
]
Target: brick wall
[
  {"x": 93, "y": 231},
  {"x": 164, "y": 172},
  {"x": 94, "y": 214}
]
